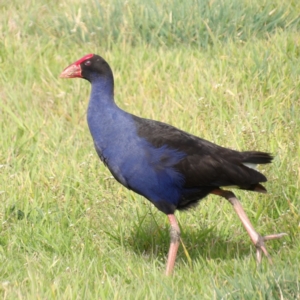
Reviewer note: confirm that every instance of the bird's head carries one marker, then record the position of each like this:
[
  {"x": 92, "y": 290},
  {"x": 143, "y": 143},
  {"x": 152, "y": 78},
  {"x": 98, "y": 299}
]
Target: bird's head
[{"x": 89, "y": 67}]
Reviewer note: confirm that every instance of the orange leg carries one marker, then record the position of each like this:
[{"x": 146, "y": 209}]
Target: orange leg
[
  {"x": 256, "y": 238},
  {"x": 175, "y": 241}
]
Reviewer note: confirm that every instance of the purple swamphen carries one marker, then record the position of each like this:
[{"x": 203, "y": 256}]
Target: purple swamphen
[{"x": 171, "y": 168}]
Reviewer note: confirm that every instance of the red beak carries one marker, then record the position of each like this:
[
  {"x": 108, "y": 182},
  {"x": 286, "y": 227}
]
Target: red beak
[{"x": 71, "y": 71}]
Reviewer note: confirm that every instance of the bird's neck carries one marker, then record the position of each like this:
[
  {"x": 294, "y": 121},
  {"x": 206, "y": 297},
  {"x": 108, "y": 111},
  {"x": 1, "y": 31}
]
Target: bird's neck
[
  {"x": 102, "y": 101},
  {"x": 102, "y": 94},
  {"x": 102, "y": 110}
]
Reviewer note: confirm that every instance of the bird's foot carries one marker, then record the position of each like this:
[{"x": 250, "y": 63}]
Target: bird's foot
[
  {"x": 257, "y": 239},
  {"x": 261, "y": 248}
]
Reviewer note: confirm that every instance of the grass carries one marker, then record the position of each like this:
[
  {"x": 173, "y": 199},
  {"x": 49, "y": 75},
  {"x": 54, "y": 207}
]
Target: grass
[{"x": 227, "y": 71}]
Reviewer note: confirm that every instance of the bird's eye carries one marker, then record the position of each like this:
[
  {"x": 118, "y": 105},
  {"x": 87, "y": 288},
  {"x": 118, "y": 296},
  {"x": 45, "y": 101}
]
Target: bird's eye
[{"x": 87, "y": 63}]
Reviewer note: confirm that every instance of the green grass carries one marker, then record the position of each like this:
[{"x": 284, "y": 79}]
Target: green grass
[{"x": 228, "y": 71}]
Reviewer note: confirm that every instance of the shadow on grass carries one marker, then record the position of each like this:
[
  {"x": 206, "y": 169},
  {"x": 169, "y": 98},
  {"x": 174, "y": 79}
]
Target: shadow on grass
[{"x": 205, "y": 244}]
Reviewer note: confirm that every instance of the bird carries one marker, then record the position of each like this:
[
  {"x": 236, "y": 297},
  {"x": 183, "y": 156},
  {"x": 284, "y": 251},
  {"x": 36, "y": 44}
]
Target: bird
[{"x": 171, "y": 168}]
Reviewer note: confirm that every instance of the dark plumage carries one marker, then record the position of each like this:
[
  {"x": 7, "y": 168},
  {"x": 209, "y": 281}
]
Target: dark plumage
[{"x": 171, "y": 168}]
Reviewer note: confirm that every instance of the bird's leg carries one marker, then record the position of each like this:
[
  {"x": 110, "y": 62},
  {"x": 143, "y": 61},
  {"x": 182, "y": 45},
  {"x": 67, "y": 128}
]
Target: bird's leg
[
  {"x": 257, "y": 239},
  {"x": 174, "y": 244}
]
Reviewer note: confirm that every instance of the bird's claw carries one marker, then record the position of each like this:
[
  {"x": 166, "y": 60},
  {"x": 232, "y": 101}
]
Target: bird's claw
[{"x": 260, "y": 246}]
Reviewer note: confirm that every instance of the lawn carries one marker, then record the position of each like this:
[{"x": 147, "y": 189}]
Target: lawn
[{"x": 228, "y": 71}]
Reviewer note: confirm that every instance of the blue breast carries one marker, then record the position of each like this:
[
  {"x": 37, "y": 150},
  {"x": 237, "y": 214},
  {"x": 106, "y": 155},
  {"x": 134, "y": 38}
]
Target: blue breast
[{"x": 132, "y": 160}]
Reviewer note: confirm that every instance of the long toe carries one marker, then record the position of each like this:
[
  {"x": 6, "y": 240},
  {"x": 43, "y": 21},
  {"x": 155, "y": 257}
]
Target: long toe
[{"x": 261, "y": 248}]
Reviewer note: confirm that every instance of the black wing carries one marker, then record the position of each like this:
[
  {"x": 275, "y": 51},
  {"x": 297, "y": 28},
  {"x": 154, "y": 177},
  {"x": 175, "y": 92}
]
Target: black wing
[{"x": 205, "y": 164}]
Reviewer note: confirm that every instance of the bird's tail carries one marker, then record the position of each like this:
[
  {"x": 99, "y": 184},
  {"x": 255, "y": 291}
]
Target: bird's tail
[
  {"x": 257, "y": 158},
  {"x": 251, "y": 159}
]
